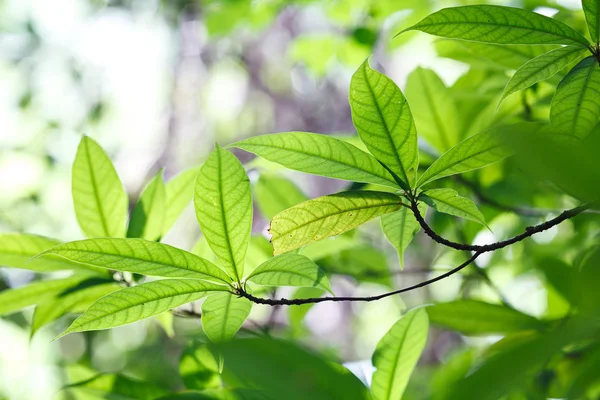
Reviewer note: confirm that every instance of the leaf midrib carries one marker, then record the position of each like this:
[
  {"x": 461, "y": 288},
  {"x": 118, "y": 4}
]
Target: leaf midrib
[{"x": 94, "y": 185}]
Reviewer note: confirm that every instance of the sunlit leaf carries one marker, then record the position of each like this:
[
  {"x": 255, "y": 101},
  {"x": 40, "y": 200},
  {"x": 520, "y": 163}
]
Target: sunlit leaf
[
  {"x": 433, "y": 108},
  {"x": 17, "y": 249},
  {"x": 591, "y": 9},
  {"x": 575, "y": 108},
  {"x": 141, "y": 257},
  {"x": 148, "y": 217},
  {"x": 499, "y": 24},
  {"x": 384, "y": 121},
  {"x": 73, "y": 300},
  {"x": 199, "y": 368},
  {"x": 290, "y": 270},
  {"x": 274, "y": 194},
  {"x": 12, "y": 300},
  {"x": 328, "y": 216},
  {"x": 99, "y": 198},
  {"x": 449, "y": 202},
  {"x": 399, "y": 228},
  {"x": 279, "y": 367},
  {"x": 138, "y": 302},
  {"x": 541, "y": 68},
  {"x": 478, "y": 318},
  {"x": 397, "y": 355},
  {"x": 111, "y": 386},
  {"x": 319, "y": 155},
  {"x": 179, "y": 192},
  {"x": 224, "y": 208},
  {"x": 475, "y": 152},
  {"x": 223, "y": 314}
]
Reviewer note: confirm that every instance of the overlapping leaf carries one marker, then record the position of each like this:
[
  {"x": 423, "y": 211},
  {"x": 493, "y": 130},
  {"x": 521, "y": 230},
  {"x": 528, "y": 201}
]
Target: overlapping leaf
[
  {"x": 148, "y": 217},
  {"x": 449, "y": 202},
  {"x": 224, "y": 208},
  {"x": 399, "y": 228},
  {"x": 475, "y": 152},
  {"x": 476, "y": 317},
  {"x": 179, "y": 192},
  {"x": 98, "y": 196},
  {"x": 575, "y": 108},
  {"x": 223, "y": 314},
  {"x": 328, "y": 216},
  {"x": 138, "y": 302},
  {"x": 141, "y": 257},
  {"x": 384, "y": 121},
  {"x": 499, "y": 24},
  {"x": 433, "y": 108},
  {"x": 320, "y": 155},
  {"x": 591, "y": 9},
  {"x": 397, "y": 355},
  {"x": 274, "y": 194},
  {"x": 290, "y": 270},
  {"x": 540, "y": 68}
]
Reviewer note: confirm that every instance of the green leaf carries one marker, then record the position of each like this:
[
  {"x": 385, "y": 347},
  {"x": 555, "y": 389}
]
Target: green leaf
[
  {"x": 399, "y": 228},
  {"x": 98, "y": 196},
  {"x": 575, "y": 108},
  {"x": 290, "y": 270},
  {"x": 179, "y": 192},
  {"x": 541, "y": 68},
  {"x": 449, "y": 202},
  {"x": 12, "y": 300},
  {"x": 499, "y": 24},
  {"x": 224, "y": 209},
  {"x": 223, "y": 314},
  {"x": 296, "y": 314},
  {"x": 274, "y": 194},
  {"x": 74, "y": 300},
  {"x": 384, "y": 122},
  {"x": 17, "y": 249},
  {"x": 199, "y": 368},
  {"x": 397, "y": 355},
  {"x": 474, "y": 317},
  {"x": 284, "y": 370},
  {"x": 328, "y": 216},
  {"x": 138, "y": 302},
  {"x": 140, "y": 257},
  {"x": 433, "y": 108},
  {"x": 472, "y": 153},
  {"x": 591, "y": 9},
  {"x": 320, "y": 155},
  {"x": 148, "y": 217},
  {"x": 111, "y": 386}
]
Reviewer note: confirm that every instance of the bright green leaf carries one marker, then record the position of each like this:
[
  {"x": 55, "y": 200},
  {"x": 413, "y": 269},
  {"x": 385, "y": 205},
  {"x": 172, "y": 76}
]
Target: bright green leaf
[
  {"x": 474, "y": 317},
  {"x": 199, "y": 368},
  {"x": 74, "y": 300},
  {"x": 399, "y": 228},
  {"x": 179, "y": 192},
  {"x": 472, "y": 153},
  {"x": 397, "y": 355},
  {"x": 290, "y": 270},
  {"x": 575, "y": 108},
  {"x": 541, "y": 68},
  {"x": 433, "y": 108},
  {"x": 12, "y": 300},
  {"x": 499, "y": 24},
  {"x": 591, "y": 8},
  {"x": 384, "y": 122},
  {"x": 148, "y": 217},
  {"x": 328, "y": 216},
  {"x": 138, "y": 302},
  {"x": 140, "y": 257},
  {"x": 320, "y": 155},
  {"x": 223, "y": 314},
  {"x": 449, "y": 202},
  {"x": 99, "y": 198},
  {"x": 17, "y": 249},
  {"x": 224, "y": 208},
  {"x": 274, "y": 194}
]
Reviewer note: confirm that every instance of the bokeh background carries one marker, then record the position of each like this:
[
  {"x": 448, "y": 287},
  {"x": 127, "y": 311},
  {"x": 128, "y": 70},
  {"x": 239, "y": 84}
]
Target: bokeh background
[{"x": 157, "y": 83}]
